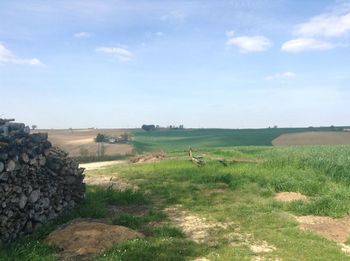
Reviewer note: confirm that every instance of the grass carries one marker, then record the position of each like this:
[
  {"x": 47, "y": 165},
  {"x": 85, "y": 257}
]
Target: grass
[
  {"x": 243, "y": 193},
  {"x": 180, "y": 139},
  {"x": 239, "y": 194}
]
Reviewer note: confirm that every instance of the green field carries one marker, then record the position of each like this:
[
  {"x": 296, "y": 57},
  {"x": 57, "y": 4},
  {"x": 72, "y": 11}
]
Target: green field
[
  {"x": 181, "y": 139},
  {"x": 238, "y": 198}
]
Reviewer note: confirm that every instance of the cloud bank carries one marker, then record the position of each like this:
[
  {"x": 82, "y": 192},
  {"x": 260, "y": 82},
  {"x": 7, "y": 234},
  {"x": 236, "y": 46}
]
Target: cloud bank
[
  {"x": 319, "y": 31},
  {"x": 6, "y": 56}
]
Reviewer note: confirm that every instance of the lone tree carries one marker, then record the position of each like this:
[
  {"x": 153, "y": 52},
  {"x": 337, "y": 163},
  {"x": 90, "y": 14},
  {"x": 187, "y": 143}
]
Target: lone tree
[
  {"x": 34, "y": 127},
  {"x": 148, "y": 127},
  {"x": 100, "y": 138}
]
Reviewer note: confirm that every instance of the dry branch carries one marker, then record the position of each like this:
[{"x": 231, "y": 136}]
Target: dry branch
[{"x": 196, "y": 160}]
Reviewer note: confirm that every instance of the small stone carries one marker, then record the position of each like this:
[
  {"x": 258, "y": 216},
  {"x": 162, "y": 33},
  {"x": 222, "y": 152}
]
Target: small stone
[
  {"x": 34, "y": 196},
  {"x": 22, "y": 201},
  {"x": 10, "y": 166},
  {"x": 4, "y": 176},
  {"x": 2, "y": 166}
]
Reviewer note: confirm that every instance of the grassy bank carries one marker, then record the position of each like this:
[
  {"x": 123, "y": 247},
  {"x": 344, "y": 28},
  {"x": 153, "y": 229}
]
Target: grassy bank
[{"x": 238, "y": 197}]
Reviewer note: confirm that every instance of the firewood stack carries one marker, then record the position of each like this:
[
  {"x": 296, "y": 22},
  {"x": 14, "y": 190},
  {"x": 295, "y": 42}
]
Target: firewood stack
[{"x": 37, "y": 181}]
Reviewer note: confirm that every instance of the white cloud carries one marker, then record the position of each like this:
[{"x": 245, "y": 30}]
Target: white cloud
[
  {"x": 6, "y": 56},
  {"x": 250, "y": 43},
  {"x": 306, "y": 44},
  {"x": 282, "y": 75},
  {"x": 83, "y": 35},
  {"x": 122, "y": 53},
  {"x": 326, "y": 25},
  {"x": 316, "y": 33},
  {"x": 174, "y": 16}
]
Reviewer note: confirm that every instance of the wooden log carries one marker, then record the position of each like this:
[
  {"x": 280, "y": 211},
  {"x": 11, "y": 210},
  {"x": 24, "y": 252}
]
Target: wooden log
[
  {"x": 2, "y": 166},
  {"x": 196, "y": 160},
  {"x": 37, "y": 182}
]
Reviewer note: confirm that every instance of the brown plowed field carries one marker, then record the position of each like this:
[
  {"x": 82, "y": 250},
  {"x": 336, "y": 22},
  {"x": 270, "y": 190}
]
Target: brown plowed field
[
  {"x": 313, "y": 138},
  {"x": 73, "y": 141}
]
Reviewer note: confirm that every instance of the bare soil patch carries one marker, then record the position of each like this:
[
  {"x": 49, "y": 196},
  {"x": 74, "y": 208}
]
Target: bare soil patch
[
  {"x": 202, "y": 230},
  {"x": 258, "y": 247},
  {"x": 261, "y": 247},
  {"x": 82, "y": 239},
  {"x": 101, "y": 164},
  {"x": 290, "y": 196},
  {"x": 73, "y": 141},
  {"x": 337, "y": 229},
  {"x": 148, "y": 158},
  {"x": 110, "y": 182},
  {"x": 313, "y": 138},
  {"x": 194, "y": 227}
]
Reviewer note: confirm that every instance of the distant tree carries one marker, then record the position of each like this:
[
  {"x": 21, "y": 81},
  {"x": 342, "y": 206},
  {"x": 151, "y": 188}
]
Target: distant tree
[
  {"x": 148, "y": 127},
  {"x": 275, "y": 127},
  {"x": 100, "y": 138},
  {"x": 34, "y": 127}
]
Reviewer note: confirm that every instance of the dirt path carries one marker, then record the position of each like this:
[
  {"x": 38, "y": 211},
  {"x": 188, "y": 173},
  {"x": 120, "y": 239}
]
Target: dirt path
[
  {"x": 101, "y": 165},
  {"x": 202, "y": 230}
]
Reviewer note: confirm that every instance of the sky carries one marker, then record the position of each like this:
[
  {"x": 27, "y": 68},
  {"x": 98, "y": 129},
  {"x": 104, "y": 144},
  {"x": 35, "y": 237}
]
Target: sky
[{"x": 205, "y": 64}]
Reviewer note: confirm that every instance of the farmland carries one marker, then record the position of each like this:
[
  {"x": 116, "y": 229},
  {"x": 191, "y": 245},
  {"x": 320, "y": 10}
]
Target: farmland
[
  {"x": 221, "y": 212},
  {"x": 170, "y": 140},
  {"x": 73, "y": 141},
  {"x": 313, "y": 138},
  {"x": 81, "y": 141}
]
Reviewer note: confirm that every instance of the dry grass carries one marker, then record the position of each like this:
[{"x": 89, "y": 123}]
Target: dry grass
[
  {"x": 313, "y": 138},
  {"x": 73, "y": 141}
]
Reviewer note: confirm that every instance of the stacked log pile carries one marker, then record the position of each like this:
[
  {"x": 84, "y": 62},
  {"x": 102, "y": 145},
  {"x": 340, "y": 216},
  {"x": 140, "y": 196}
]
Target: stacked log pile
[{"x": 37, "y": 181}]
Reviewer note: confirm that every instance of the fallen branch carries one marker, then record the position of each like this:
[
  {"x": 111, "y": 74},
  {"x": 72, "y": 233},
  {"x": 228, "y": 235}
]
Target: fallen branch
[{"x": 196, "y": 160}]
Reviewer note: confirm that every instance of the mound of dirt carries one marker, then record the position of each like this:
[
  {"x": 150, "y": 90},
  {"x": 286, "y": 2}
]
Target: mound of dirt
[
  {"x": 148, "y": 158},
  {"x": 337, "y": 229},
  {"x": 289, "y": 196},
  {"x": 82, "y": 239}
]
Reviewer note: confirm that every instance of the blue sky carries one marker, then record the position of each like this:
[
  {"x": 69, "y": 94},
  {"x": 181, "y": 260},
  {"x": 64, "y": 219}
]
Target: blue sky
[{"x": 225, "y": 64}]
